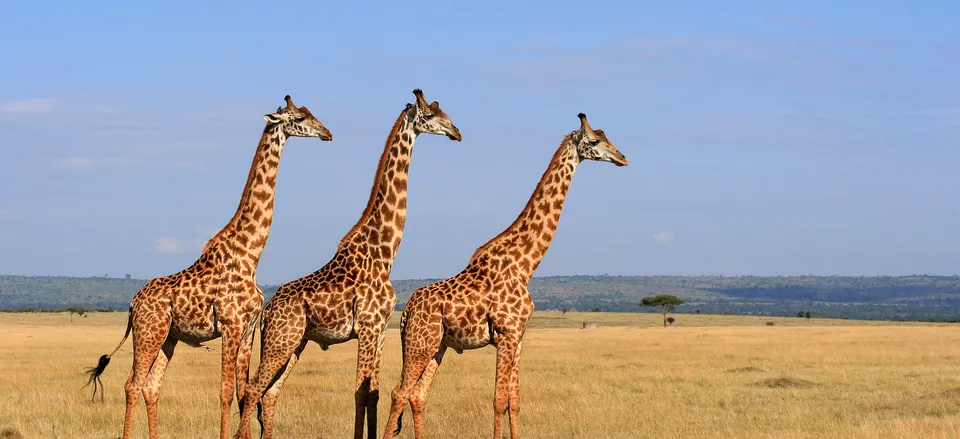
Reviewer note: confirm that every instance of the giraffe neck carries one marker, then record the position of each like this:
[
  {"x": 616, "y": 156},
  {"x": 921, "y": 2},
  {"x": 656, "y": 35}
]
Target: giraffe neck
[
  {"x": 526, "y": 241},
  {"x": 384, "y": 217},
  {"x": 246, "y": 233}
]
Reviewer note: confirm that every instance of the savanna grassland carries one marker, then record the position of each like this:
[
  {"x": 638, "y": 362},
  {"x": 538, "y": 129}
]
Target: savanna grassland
[{"x": 706, "y": 376}]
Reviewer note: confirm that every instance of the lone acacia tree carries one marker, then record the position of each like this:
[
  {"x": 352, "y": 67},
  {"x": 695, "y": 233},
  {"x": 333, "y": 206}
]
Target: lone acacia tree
[
  {"x": 82, "y": 312},
  {"x": 664, "y": 302}
]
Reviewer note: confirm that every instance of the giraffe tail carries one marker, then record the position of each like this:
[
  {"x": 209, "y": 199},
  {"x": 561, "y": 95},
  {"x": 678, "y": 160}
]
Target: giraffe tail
[
  {"x": 260, "y": 417},
  {"x": 93, "y": 373},
  {"x": 399, "y": 424}
]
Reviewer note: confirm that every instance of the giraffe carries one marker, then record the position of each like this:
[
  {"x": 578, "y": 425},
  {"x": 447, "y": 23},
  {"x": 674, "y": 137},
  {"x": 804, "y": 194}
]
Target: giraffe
[
  {"x": 488, "y": 303},
  {"x": 351, "y": 296},
  {"x": 218, "y": 295}
]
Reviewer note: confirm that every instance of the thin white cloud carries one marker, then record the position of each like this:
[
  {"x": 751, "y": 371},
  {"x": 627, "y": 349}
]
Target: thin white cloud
[
  {"x": 168, "y": 245},
  {"x": 663, "y": 236},
  {"x": 27, "y": 106}
]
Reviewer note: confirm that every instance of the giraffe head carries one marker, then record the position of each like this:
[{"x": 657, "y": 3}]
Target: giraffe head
[
  {"x": 593, "y": 144},
  {"x": 430, "y": 119},
  {"x": 298, "y": 122}
]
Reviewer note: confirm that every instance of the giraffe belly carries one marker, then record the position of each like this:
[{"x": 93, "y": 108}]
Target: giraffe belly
[
  {"x": 460, "y": 339},
  {"x": 194, "y": 334},
  {"x": 330, "y": 335},
  {"x": 194, "y": 325}
]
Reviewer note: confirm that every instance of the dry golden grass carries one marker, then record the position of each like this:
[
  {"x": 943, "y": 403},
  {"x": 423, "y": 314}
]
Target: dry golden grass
[{"x": 705, "y": 377}]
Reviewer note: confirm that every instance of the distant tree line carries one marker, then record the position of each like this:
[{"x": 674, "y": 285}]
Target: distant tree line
[{"x": 914, "y": 297}]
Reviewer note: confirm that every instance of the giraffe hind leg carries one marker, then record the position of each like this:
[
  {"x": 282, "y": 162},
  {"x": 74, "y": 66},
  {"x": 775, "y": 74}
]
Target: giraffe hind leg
[
  {"x": 146, "y": 349},
  {"x": 277, "y": 357},
  {"x": 151, "y": 391},
  {"x": 268, "y": 402},
  {"x": 413, "y": 367},
  {"x": 417, "y": 360},
  {"x": 418, "y": 400}
]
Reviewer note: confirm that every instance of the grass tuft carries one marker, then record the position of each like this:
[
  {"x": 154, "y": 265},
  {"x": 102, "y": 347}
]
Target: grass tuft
[{"x": 785, "y": 383}]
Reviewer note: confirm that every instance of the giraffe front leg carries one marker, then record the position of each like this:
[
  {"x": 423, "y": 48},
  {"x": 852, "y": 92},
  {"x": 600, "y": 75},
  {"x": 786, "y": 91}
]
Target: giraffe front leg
[
  {"x": 228, "y": 365},
  {"x": 506, "y": 354},
  {"x": 514, "y": 403},
  {"x": 367, "y": 395},
  {"x": 243, "y": 368},
  {"x": 151, "y": 391}
]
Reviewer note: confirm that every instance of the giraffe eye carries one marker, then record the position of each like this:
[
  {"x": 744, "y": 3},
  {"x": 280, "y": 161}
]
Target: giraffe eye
[
  {"x": 429, "y": 116},
  {"x": 594, "y": 142}
]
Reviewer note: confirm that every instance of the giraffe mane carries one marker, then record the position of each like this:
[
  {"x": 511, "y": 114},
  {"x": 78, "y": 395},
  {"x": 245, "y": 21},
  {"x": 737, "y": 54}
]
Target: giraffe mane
[
  {"x": 378, "y": 178},
  {"x": 529, "y": 204}
]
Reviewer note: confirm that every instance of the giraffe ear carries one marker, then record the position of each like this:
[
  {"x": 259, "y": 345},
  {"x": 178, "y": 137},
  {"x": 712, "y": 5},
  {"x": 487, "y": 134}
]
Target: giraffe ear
[{"x": 273, "y": 118}]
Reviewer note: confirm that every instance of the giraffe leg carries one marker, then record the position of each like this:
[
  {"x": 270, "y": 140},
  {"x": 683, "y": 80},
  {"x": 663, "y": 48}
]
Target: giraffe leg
[
  {"x": 514, "y": 403},
  {"x": 413, "y": 367},
  {"x": 146, "y": 348},
  {"x": 269, "y": 399},
  {"x": 367, "y": 394},
  {"x": 418, "y": 398},
  {"x": 151, "y": 391},
  {"x": 506, "y": 353},
  {"x": 279, "y": 342},
  {"x": 228, "y": 367},
  {"x": 243, "y": 368},
  {"x": 418, "y": 354}
]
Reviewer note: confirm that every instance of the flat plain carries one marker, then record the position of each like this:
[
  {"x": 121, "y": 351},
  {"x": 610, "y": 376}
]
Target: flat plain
[{"x": 706, "y": 376}]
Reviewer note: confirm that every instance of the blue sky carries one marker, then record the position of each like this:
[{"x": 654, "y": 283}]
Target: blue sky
[{"x": 764, "y": 137}]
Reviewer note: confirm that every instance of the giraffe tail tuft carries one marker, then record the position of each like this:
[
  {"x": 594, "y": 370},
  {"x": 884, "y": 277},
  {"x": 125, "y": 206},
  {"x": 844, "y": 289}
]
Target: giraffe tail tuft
[
  {"x": 399, "y": 424},
  {"x": 260, "y": 417},
  {"x": 93, "y": 373}
]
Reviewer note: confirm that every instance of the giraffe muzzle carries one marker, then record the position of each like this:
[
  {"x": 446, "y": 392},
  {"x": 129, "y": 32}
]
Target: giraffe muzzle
[
  {"x": 455, "y": 135},
  {"x": 620, "y": 160}
]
